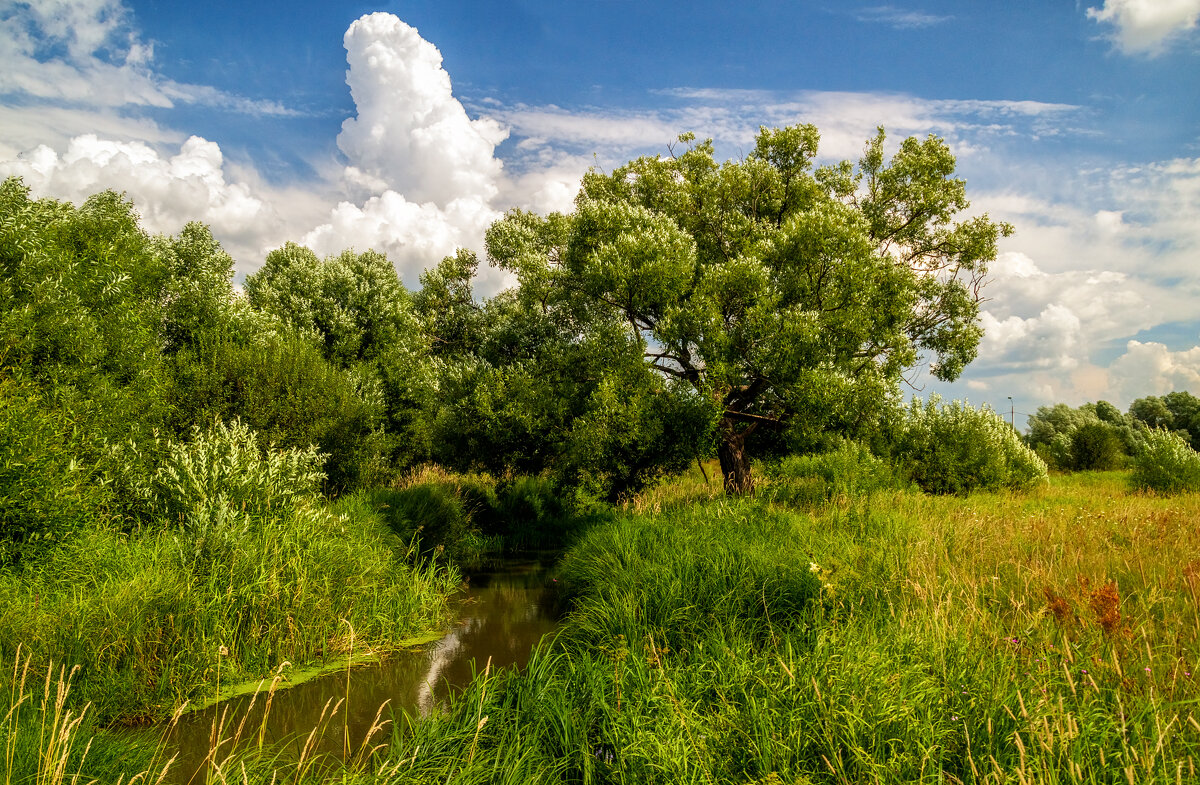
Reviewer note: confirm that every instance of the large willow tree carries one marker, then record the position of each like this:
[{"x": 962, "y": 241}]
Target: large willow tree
[{"x": 787, "y": 297}]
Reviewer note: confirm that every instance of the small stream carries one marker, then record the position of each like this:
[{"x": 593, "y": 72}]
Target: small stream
[{"x": 509, "y": 604}]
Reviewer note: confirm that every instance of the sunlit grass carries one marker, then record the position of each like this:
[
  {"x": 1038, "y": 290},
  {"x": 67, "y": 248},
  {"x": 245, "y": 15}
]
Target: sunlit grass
[
  {"x": 894, "y": 637},
  {"x": 1047, "y": 637},
  {"x": 152, "y": 627}
]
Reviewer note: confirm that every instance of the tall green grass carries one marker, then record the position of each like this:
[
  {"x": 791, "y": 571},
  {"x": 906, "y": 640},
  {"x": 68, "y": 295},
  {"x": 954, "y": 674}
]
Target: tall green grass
[
  {"x": 1048, "y": 637},
  {"x": 1045, "y": 637},
  {"x": 152, "y": 624}
]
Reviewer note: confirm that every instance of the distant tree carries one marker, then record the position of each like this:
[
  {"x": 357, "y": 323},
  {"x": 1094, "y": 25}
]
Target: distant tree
[
  {"x": 1096, "y": 446},
  {"x": 451, "y": 318},
  {"x": 1096, "y": 436},
  {"x": 1177, "y": 411},
  {"x": 1152, "y": 411},
  {"x": 198, "y": 296},
  {"x": 1108, "y": 413},
  {"x": 786, "y": 298},
  {"x": 356, "y": 308},
  {"x": 1185, "y": 411}
]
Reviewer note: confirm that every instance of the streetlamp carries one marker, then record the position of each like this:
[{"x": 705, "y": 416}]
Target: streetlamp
[{"x": 1012, "y": 413}]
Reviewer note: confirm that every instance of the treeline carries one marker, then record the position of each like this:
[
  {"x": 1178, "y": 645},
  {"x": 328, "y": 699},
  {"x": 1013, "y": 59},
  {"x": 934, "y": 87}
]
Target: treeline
[
  {"x": 1158, "y": 437},
  {"x": 115, "y": 344}
]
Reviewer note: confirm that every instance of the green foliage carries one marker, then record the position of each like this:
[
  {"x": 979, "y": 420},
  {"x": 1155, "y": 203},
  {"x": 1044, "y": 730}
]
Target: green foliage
[
  {"x": 1096, "y": 436},
  {"x": 451, "y": 319},
  {"x": 535, "y": 512},
  {"x": 283, "y": 388},
  {"x": 137, "y": 388},
  {"x": 671, "y": 575},
  {"x": 1097, "y": 446},
  {"x": 432, "y": 514},
  {"x": 358, "y": 312},
  {"x": 784, "y": 298},
  {"x": 46, "y": 495},
  {"x": 152, "y": 625},
  {"x": 354, "y": 304},
  {"x": 936, "y": 608},
  {"x": 955, "y": 448},
  {"x": 1178, "y": 411},
  {"x": 1166, "y": 465},
  {"x": 547, "y": 393},
  {"x": 81, "y": 306},
  {"x": 224, "y": 467},
  {"x": 199, "y": 296}
]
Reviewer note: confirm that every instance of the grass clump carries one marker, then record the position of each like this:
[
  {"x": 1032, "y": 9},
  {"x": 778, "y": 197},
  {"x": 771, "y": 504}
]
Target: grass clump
[
  {"x": 1044, "y": 637},
  {"x": 848, "y": 471},
  {"x": 663, "y": 575}
]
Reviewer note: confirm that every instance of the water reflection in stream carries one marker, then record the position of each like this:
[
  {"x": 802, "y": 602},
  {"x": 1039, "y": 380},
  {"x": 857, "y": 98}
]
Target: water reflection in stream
[{"x": 507, "y": 608}]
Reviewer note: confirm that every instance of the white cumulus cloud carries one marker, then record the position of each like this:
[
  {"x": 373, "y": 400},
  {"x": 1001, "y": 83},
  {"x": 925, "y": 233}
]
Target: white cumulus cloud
[
  {"x": 168, "y": 191},
  {"x": 426, "y": 172},
  {"x": 1147, "y": 26},
  {"x": 1152, "y": 369},
  {"x": 410, "y": 132}
]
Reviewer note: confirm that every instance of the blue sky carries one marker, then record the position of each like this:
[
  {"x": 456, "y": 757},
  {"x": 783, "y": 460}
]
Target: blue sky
[{"x": 408, "y": 127}]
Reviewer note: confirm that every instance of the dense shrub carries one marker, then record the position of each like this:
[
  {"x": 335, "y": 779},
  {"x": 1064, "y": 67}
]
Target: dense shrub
[
  {"x": 45, "y": 494},
  {"x": 221, "y": 468},
  {"x": 1097, "y": 446},
  {"x": 956, "y": 448},
  {"x": 81, "y": 294},
  {"x": 281, "y": 386},
  {"x": 846, "y": 471},
  {"x": 1167, "y": 464},
  {"x": 1095, "y": 436},
  {"x": 431, "y": 513},
  {"x": 673, "y": 575}
]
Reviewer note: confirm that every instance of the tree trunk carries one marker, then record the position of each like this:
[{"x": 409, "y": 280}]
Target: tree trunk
[{"x": 735, "y": 463}]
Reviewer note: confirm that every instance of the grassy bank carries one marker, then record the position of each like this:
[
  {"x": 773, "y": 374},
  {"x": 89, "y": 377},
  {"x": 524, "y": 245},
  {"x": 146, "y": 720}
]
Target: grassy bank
[
  {"x": 1047, "y": 637},
  {"x": 148, "y": 623},
  {"x": 894, "y": 637}
]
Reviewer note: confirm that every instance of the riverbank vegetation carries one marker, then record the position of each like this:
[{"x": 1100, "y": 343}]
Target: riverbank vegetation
[
  {"x": 887, "y": 636},
  {"x": 776, "y": 570},
  {"x": 1049, "y": 636}
]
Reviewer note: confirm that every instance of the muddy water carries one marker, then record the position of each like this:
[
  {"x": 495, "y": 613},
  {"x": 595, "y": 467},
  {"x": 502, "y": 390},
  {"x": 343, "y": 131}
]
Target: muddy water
[{"x": 506, "y": 609}]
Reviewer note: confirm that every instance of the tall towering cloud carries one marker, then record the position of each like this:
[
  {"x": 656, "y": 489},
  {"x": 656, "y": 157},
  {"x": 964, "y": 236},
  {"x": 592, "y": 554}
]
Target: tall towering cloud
[
  {"x": 410, "y": 132},
  {"x": 426, "y": 173}
]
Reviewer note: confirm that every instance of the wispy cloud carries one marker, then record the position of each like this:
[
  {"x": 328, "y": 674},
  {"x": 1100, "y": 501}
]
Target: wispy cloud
[
  {"x": 732, "y": 117},
  {"x": 899, "y": 18}
]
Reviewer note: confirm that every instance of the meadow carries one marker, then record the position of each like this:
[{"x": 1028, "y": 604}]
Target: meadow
[{"x": 883, "y": 636}]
